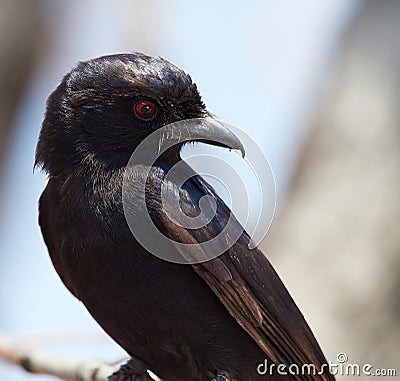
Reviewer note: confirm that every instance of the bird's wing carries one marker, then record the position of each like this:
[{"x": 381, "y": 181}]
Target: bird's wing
[{"x": 243, "y": 280}]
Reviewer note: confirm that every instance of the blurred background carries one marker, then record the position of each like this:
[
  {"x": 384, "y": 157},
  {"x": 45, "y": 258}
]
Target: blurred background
[{"x": 315, "y": 83}]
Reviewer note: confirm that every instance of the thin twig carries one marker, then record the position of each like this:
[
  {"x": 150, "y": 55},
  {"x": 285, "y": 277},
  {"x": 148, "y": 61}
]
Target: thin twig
[{"x": 69, "y": 368}]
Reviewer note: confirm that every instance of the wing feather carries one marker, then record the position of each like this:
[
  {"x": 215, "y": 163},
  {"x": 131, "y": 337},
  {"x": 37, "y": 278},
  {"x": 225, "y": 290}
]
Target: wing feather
[{"x": 245, "y": 283}]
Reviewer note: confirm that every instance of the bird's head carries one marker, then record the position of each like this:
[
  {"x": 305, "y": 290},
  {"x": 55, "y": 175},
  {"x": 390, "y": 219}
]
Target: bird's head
[{"x": 106, "y": 106}]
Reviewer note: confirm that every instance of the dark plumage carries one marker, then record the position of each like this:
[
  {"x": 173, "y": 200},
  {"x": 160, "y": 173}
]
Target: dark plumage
[{"x": 184, "y": 322}]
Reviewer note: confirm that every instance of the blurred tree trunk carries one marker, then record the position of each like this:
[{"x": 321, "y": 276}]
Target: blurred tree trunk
[
  {"x": 19, "y": 26},
  {"x": 336, "y": 242}
]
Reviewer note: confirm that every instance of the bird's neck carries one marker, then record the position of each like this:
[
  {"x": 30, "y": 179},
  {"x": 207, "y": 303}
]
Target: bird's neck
[{"x": 169, "y": 158}]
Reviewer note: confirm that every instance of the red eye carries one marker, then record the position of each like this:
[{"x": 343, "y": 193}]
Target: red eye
[{"x": 145, "y": 110}]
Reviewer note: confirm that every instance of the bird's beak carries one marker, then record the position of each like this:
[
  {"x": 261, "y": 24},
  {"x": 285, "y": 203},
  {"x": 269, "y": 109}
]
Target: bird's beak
[{"x": 205, "y": 130}]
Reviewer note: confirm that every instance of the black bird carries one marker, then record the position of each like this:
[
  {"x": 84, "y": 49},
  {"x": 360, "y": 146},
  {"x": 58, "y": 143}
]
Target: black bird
[{"x": 217, "y": 319}]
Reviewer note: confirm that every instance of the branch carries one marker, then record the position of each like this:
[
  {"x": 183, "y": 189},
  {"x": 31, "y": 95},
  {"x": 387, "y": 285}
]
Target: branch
[{"x": 69, "y": 368}]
